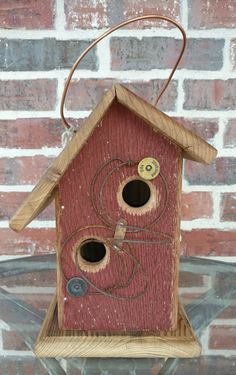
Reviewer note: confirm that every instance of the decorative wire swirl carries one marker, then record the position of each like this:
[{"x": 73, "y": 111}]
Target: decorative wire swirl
[
  {"x": 118, "y": 251},
  {"x": 101, "y": 211}
]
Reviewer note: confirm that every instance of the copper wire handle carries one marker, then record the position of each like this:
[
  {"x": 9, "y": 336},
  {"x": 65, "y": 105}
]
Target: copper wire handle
[{"x": 104, "y": 35}]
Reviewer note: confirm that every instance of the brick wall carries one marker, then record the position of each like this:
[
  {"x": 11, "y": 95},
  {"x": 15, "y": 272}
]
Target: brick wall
[{"x": 39, "y": 43}]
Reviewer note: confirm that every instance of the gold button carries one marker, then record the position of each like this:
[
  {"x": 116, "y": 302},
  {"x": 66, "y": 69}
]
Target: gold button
[{"x": 148, "y": 168}]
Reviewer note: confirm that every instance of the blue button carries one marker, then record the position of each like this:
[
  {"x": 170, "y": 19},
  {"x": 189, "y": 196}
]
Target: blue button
[{"x": 76, "y": 287}]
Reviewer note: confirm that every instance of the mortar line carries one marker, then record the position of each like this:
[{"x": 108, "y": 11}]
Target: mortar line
[
  {"x": 85, "y": 34},
  {"x": 60, "y": 20},
  {"x": 184, "y": 14},
  {"x": 126, "y": 75}
]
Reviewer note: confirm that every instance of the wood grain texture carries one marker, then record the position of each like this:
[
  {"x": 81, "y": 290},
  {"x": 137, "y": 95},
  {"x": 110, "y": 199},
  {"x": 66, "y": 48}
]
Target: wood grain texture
[
  {"x": 193, "y": 146},
  {"x": 54, "y": 342},
  {"x": 121, "y": 134}
]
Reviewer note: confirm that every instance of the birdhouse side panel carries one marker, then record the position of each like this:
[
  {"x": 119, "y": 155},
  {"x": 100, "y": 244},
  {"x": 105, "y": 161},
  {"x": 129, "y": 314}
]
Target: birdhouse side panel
[{"x": 132, "y": 286}]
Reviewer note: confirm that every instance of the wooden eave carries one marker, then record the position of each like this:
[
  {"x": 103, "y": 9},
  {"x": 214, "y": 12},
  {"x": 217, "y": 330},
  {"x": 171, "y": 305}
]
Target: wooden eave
[{"x": 194, "y": 148}]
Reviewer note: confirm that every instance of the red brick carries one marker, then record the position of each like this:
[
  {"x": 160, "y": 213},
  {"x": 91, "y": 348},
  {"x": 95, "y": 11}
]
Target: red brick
[
  {"x": 205, "y": 128},
  {"x": 214, "y": 364},
  {"x": 43, "y": 278},
  {"x": 220, "y": 172},
  {"x": 211, "y": 242},
  {"x": 196, "y": 205},
  {"x": 30, "y": 241},
  {"x": 31, "y": 133},
  {"x": 22, "y": 170},
  {"x": 87, "y": 14},
  {"x": 187, "y": 298},
  {"x": 210, "y": 94},
  {"x": 212, "y": 14},
  {"x": 188, "y": 279},
  {"x": 12, "y": 341},
  {"x": 222, "y": 337},
  {"x": 27, "y": 14},
  {"x": 91, "y": 91},
  {"x": 228, "y": 207},
  {"x": 116, "y": 12},
  {"x": 25, "y": 95},
  {"x": 230, "y": 134},
  {"x": 207, "y": 364},
  {"x": 228, "y": 313},
  {"x": 44, "y": 54},
  {"x": 161, "y": 52},
  {"x": 149, "y": 91},
  {"x": 10, "y": 201}
]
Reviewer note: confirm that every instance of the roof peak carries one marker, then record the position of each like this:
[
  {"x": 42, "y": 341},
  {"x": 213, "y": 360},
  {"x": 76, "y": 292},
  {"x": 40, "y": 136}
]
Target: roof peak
[{"x": 194, "y": 148}]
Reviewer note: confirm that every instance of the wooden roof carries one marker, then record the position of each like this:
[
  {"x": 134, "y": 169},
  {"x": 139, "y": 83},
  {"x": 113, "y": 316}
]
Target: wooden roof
[{"x": 194, "y": 148}]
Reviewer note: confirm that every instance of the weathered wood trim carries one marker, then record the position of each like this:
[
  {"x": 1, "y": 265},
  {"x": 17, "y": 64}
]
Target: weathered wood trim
[
  {"x": 195, "y": 147},
  {"x": 58, "y": 244},
  {"x": 175, "y": 272},
  {"x": 53, "y": 342}
]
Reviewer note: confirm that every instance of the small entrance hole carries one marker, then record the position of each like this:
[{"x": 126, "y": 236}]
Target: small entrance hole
[
  {"x": 92, "y": 251},
  {"x": 136, "y": 193}
]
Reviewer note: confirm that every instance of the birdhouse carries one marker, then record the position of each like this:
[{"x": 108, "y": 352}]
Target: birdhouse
[{"x": 117, "y": 191}]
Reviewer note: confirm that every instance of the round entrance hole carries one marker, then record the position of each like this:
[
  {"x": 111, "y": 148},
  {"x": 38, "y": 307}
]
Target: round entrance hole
[
  {"x": 92, "y": 251},
  {"x": 136, "y": 193}
]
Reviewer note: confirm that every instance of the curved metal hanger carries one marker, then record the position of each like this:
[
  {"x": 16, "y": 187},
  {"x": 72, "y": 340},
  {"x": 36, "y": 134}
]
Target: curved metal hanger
[{"x": 104, "y": 35}]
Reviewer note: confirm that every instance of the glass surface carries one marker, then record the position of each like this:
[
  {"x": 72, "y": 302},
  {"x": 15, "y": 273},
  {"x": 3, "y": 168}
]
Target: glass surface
[{"x": 207, "y": 291}]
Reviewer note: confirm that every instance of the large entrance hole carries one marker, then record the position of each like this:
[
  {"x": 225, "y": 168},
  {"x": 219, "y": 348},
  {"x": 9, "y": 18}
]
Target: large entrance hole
[
  {"x": 136, "y": 193},
  {"x": 92, "y": 251}
]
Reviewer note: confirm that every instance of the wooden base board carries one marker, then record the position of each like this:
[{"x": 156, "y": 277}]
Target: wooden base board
[{"x": 54, "y": 342}]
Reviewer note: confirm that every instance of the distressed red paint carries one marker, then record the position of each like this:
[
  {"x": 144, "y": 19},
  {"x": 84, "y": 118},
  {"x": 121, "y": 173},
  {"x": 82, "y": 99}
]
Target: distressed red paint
[{"x": 121, "y": 134}]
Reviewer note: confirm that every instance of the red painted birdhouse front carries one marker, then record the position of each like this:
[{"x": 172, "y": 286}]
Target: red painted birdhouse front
[{"x": 132, "y": 287}]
